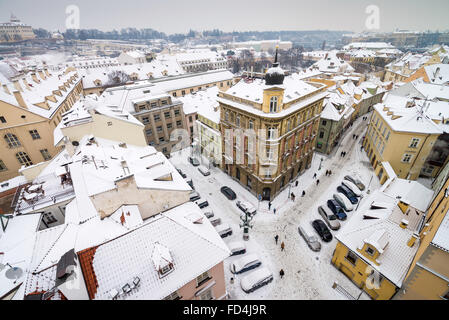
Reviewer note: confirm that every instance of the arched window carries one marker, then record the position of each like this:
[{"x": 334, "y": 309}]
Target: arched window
[
  {"x": 24, "y": 159},
  {"x": 273, "y": 104},
  {"x": 11, "y": 140}
]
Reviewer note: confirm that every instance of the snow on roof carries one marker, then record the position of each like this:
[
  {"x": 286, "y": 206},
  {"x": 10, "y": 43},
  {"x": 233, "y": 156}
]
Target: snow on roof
[
  {"x": 204, "y": 103},
  {"x": 417, "y": 195},
  {"x": 12, "y": 183},
  {"x": 438, "y": 73},
  {"x": 368, "y": 45},
  {"x": 432, "y": 91},
  {"x": 332, "y": 64},
  {"x": 193, "y": 250},
  {"x": 411, "y": 119},
  {"x": 135, "y": 54},
  {"x": 16, "y": 244},
  {"x": 34, "y": 93},
  {"x": 395, "y": 259},
  {"x": 441, "y": 238}
]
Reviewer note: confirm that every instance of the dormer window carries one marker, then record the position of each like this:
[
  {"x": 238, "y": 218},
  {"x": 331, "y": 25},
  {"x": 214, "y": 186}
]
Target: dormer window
[
  {"x": 370, "y": 251},
  {"x": 162, "y": 260},
  {"x": 273, "y": 104}
]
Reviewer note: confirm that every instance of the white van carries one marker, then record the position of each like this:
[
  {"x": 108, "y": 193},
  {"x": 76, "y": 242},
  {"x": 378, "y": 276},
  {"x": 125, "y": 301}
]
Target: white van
[
  {"x": 245, "y": 263},
  {"x": 224, "y": 230},
  {"x": 204, "y": 171},
  {"x": 352, "y": 187},
  {"x": 343, "y": 201},
  {"x": 247, "y": 207},
  {"x": 256, "y": 280},
  {"x": 237, "y": 247}
]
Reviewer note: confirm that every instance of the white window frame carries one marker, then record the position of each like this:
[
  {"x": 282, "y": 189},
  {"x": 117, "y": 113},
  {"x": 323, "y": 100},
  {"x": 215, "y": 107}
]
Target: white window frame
[{"x": 405, "y": 155}]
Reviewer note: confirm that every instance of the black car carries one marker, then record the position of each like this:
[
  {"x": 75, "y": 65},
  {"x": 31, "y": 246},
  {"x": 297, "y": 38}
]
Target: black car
[
  {"x": 348, "y": 194},
  {"x": 182, "y": 173},
  {"x": 228, "y": 193},
  {"x": 194, "y": 161},
  {"x": 336, "y": 209},
  {"x": 194, "y": 196},
  {"x": 203, "y": 204},
  {"x": 322, "y": 230}
]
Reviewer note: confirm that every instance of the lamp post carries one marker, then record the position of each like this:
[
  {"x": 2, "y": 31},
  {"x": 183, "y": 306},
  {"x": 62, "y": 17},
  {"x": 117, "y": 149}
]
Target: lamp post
[
  {"x": 321, "y": 162},
  {"x": 246, "y": 224}
]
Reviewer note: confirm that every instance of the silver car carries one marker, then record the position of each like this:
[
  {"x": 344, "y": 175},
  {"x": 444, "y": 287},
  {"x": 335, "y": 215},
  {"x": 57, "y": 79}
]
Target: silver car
[
  {"x": 328, "y": 217},
  {"x": 311, "y": 240},
  {"x": 356, "y": 181}
]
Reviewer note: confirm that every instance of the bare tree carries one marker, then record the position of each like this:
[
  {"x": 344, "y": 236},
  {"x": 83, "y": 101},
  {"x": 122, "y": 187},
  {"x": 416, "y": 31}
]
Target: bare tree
[{"x": 117, "y": 77}]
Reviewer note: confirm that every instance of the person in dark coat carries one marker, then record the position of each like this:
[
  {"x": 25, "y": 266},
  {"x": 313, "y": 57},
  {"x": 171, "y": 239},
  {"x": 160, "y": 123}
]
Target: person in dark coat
[
  {"x": 314, "y": 175},
  {"x": 276, "y": 238},
  {"x": 303, "y": 193},
  {"x": 269, "y": 206},
  {"x": 296, "y": 183},
  {"x": 282, "y": 273},
  {"x": 317, "y": 182}
]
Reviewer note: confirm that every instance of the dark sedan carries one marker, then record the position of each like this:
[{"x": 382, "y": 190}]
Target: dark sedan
[
  {"x": 348, "y": 194},
  {"x": 322, "y": 230},
  {"x": 228, "y": 193},
  {"x": 336, "y": 209}
]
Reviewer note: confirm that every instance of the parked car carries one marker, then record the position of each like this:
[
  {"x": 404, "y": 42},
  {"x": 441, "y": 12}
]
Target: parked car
[
  {"x": 322, "y": 230},
  {"x": 245, "y": 263},
  {"x": 247, "y": 207},
  {"x": 224, "y": 230},
  {"x": 228, "y": 193},
  {"x": 194, "y": 161},
  {"x": 204, "y": 171},
  {"x": 356, "y": 181},
  {"x": 237, "y": 248},
  {"x": 182, "y": 173},
  {"x": 203, "y": 204},
  {"x": 215, "y": 221},
  {"x": 348, "y": 194},
  {"x": 256, "y": 280},
  {"x": 311, "y": 240},
  {"x": 194, "y": 196},
  {"x": 189, "y": 182},
  {"x": 329, "y": 217},
  {"x": 343, "y": 201},
  {"x": 348, "y": 184},
  {"x": 209, "y": 214},
  {"x": 336, "y": 209}
]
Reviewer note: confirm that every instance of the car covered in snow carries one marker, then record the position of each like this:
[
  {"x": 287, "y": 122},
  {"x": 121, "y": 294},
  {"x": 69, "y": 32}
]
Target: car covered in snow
[
  {"x": 209, "y": 214},
  {"x": 194, "y": 196},
  {"x": 256, "y": 280},
  {"x": 182, "y": 173},
  {"x": 215, "y": 221},
  {"x": 194, "y": 161},
  {"x": 245, "y": 263},
  {"x": 336, "y": 209},
  {"x": 348, "y": 193},
  {"x": 343, "y": 201},
  {"x": 348, "y": 184},
  {"x": 355, "y": 181},
  {"x": 322, "y": 230},
  {"x": 204, "y": 171},
  {"x": 247, "y": 207},
  {"x": 224, "y": 230},
  {"x": 237, "y": 248},
  {"x": 203, "y": 204},
  {"x": 329, "y": 217},
  {"x": 228, "y": 193},
  {"x": 311, "y": 240}
]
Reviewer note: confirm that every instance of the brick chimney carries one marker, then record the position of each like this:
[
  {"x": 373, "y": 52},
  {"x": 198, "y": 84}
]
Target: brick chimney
[
  {"x": 19, "y": 99},
  {"x": 34, "y": 77}
]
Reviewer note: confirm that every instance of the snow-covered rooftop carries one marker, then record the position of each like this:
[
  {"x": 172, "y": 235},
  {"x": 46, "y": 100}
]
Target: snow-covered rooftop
[{"x": 441, "y": 238}]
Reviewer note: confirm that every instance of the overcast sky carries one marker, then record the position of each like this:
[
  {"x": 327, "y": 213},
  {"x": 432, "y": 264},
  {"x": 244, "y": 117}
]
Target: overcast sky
[{"x": 172, "y": 16}]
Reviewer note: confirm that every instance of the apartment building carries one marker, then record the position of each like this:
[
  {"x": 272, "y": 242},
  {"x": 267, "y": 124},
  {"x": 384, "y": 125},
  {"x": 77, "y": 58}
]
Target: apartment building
[
  {"x": 30, "y": 109},
  {"x": 14, "y": 30},
  {"x": 376, "y": 247},
  {"x": 288, "y": 111}
]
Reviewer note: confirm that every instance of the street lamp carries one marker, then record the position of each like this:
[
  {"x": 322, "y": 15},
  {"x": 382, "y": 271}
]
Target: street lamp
[
  {"x": 321, "y": 161},
  {"x": 246, "y": 224}
]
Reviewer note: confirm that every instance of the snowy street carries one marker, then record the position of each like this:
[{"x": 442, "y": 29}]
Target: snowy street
[{"x": 308, "y": 275}]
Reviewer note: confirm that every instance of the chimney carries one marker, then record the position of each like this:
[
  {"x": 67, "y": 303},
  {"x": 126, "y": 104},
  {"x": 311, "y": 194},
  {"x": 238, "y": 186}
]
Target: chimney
[
  {"x": 404, "y": 224},
  {"x": 6, "y": 89},
  {"x": 412, "y": 240},
  {"x": 25, "y": 83},
  {"x": 41, "y": 74},
  {"x": 19, "y": 99},
  {"x": 17, "y": 85},
  {"x": 34, "y": 77},
  {"x": 46, "y": 72}
]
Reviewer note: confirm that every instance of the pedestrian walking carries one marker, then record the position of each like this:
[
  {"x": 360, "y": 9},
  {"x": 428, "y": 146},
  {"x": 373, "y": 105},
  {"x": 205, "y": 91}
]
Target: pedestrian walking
[
  {"x": 317, "y": 182},
  {"x": 330, "y": 172},
  {"x": 303, "y": 193},
  {"x": 293, "y": 197},
  {"x": 276, "y": 238},
  {"x": 282, "y": 246},
  {"x": 296, "y": 183},
  {"x": 274, "y": 210},
  {"x": 314, "y": 175},
  {"x": 269, "y": 206},
  {"x": 282, "y": 273}
]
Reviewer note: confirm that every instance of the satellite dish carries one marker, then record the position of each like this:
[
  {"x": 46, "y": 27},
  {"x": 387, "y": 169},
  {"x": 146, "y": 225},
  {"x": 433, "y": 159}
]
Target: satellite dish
[{"x": 14, "y": 273}]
